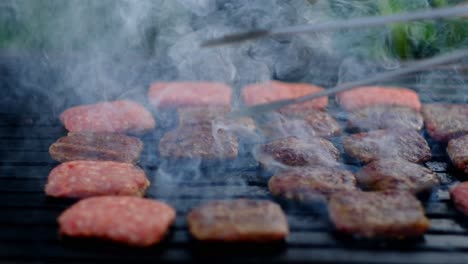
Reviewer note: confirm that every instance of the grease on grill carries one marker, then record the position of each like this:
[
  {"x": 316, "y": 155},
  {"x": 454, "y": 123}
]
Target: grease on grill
[
  {"x": 239, "y": 220},
  {"x": 96, "y": 146}
]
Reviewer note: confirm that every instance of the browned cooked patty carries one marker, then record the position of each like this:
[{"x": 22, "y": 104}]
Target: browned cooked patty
[
  {"x": 386, "y": 144},
  {"x": 445, "y": 121},
  {"x": 199, "y": 141},
  {"x": 309, "y": 124},
  {"x": 292, "y": 151},
  {"x": 385, "y": 116},
  {"x": 396, "y": 174},
  {"x": 392, "y": 214},
  {"x": 238, "y": 220},
  {"x": 215, "y": 115},
  {"x": 457, "y": 150},
  {"x": 96, "y": 146},
  {"x": 311, "y": 183}
]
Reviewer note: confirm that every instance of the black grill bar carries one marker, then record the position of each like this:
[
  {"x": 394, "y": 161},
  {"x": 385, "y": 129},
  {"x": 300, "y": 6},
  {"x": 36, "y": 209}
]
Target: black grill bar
[{"x": 28, "y": 228}]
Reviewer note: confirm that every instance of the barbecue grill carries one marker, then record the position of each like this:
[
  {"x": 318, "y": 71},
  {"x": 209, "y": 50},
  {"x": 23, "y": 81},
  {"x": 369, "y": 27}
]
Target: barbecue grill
[{"x": 29, "y": 231}]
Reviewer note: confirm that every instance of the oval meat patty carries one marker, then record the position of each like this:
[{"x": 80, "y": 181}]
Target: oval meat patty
[
  {"x": 201, "y": 141},
  {"x": 129, "y": 220},
  {"x": 459, "y": 195},
  {"x": 238, "y": 220},
  {"x": 396, "y": 174},
  {"x": 274, "y": 90},
  {"x": 81, "y": 179},
  {"x": 97, "y": 146},
  {"x": 385, "y": 144},
  {"x": 310, "y": 124},
  {"x": 457, "y": 150},
  {"x": 311, "y": 183},
  {"x": 365, "y": 96},
  {"x": 385, "y": 116},
  {"x": 445, "y": 121},
  {"x": 292, "y": 151},
  {"x": 117, "y": 117},
  {"x": 176, "y": 94},
  {"x": 378, "y": 214},
  {"x": 213, "y": 115}
]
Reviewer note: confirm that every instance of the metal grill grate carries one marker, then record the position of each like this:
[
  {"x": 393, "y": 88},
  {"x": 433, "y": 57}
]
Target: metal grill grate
[{"x": 28, "y": 229}]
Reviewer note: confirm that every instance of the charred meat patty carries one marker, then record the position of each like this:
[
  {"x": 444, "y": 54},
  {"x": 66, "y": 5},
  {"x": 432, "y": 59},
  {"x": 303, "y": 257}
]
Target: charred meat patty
[
  {"x": 396, "y": 174},
  {"x": 96, "y": 146},
  {"x": 457, "y": 150},
  {"x": 115, "y": 117},
  {"x": 268, "y": 92},
  {"x": 385, "y": 116},
  {"x": 311, "y": 183},
  {"x": 201, "y": 141},
  {"x": 129, "y": 220},
  {"x": 445, "y": 121},
  {"x": 239, "y": 220},
  {"x": 384, "y": 144},
  {"x": 81, "y": 179},
  {"x": 309, "y": 124},
  {"x": 392, "y": 214},
  {"x": 215, "y": 115},
  {"x": 292, "y": 151}
]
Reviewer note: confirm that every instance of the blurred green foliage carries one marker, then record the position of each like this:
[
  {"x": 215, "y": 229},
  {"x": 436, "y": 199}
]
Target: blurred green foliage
[{"x": 403, "y": 40}]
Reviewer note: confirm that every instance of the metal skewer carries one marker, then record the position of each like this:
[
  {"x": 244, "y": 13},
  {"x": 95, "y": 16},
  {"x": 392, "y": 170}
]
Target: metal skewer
[
  {"x": 373, "y": 21},
  {"x": 411, "y": 68}
]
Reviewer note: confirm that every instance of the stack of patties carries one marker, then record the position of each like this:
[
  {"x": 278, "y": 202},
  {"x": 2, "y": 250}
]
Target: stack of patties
[
  {"x": 304, "y": 120},
  {"x": 203, "y": 131},
  {"x": 448, "y": 123},
  {"x": 391, "y": 148},
  {"x": 297, "y": 150},
  {"x": 98, "y": 156},
  {"x": 99, "y": 167}
]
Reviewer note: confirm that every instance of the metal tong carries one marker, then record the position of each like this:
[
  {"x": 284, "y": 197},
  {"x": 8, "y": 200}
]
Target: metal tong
[
  {"x": 411, "y": 68},
  {"x": 364, "y": 22}
]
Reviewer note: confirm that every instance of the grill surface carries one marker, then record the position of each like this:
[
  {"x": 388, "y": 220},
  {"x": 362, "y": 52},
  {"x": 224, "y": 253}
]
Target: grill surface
[{"x": 28, "y": 229}]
